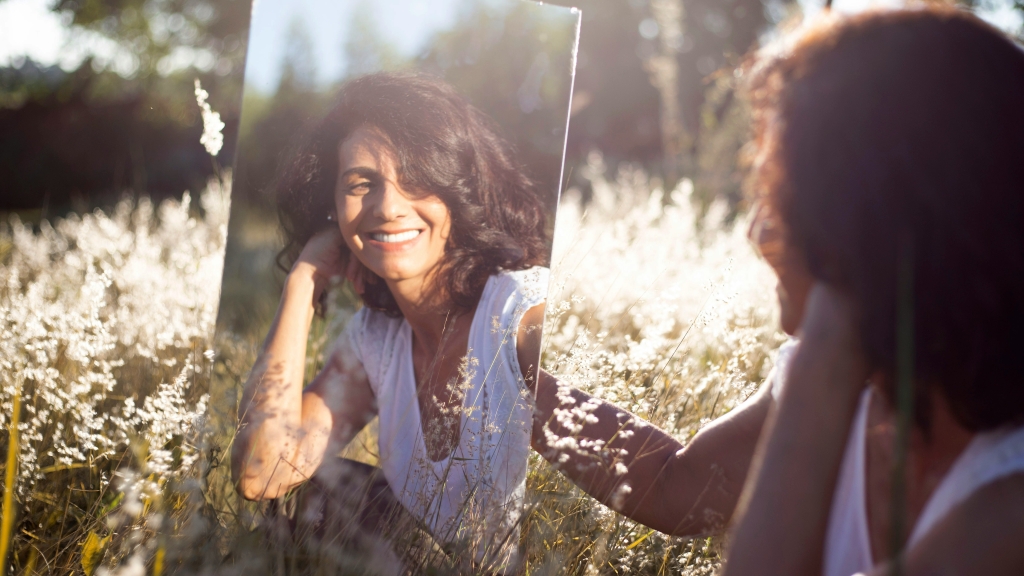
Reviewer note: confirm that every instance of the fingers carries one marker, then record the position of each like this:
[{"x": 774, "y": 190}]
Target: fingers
[
  {"x": 326, "y": 252},
  {"x": 323, "y": 256}
]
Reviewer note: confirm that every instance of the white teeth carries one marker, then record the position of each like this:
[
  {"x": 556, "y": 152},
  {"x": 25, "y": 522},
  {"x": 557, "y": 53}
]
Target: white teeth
[{"x": 400, "y": 237}]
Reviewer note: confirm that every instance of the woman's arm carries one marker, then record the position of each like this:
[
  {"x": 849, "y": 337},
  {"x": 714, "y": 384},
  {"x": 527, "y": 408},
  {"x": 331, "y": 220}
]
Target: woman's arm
[
  {"x": 653, "y": 479},
  {"x": 787, "y": 502},
  {"x": 284, "y": 431}
]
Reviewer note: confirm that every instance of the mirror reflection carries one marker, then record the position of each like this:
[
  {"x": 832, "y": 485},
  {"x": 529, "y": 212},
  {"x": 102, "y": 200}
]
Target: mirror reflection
[{"x": 389, "y": 242}]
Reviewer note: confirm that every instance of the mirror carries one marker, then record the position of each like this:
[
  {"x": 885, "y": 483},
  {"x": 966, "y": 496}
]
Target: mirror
[{"x": 398, "y": 169}]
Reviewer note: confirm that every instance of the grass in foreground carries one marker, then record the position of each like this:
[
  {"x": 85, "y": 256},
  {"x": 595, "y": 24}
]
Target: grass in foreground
[{"x": 107, "y": 318}]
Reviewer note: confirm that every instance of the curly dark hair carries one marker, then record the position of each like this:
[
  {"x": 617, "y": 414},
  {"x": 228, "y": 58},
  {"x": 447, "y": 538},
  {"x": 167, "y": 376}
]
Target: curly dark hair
[
  {"x": 442, "y": 144},
  {"x": 908, "y": 126}
]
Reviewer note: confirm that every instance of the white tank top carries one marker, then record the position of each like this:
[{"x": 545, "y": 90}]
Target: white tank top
[
  {"x": 989, "y": 457},
  {"x": 482, "y": 483}
]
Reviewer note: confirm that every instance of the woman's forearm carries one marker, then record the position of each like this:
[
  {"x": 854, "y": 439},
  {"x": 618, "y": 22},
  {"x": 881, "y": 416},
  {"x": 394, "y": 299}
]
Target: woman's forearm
[
  {"x": 611, "y": 454},
  {"x": 641, "y": 471},
  {"x": 267, "y": 452},
  {"x": 786, "y": 506}
]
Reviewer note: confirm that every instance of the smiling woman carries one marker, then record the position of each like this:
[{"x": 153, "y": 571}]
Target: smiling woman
[
  {"x": 453, "y": 154},
  {"x": 431, "y": 218},
  {"x": 393, "y": 235}
]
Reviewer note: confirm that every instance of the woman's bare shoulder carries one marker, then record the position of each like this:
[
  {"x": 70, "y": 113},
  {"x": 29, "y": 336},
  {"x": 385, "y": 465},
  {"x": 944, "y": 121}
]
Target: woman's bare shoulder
[{"x": 982, "y": 535}]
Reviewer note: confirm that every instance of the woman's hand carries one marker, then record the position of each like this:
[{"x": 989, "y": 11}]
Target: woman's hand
[
  {"x": 323, "y": 259},
  {"x": 829, "y": 332}
]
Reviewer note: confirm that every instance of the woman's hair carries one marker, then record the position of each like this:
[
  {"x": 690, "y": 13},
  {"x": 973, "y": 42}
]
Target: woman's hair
[
  {"x": 903, "y": 132},
  {"x": 442, "y": 145},
  {"x": 899, "y": 132}
]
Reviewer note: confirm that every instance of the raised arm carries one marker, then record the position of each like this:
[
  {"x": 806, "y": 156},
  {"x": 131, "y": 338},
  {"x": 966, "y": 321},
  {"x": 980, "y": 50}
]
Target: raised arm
[
  {"x": 781, "y": 529},
  {"x": 284, "y": 431},
  {"x": 637, "y": 469}
]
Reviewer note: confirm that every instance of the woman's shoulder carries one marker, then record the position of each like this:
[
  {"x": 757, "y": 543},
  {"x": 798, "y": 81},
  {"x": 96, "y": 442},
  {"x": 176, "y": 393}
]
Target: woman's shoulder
[
  {"x": 529, "y": 286},
  {"x": 508, "y": 296},
  {"x": 368, "y": 332},
  {"x": 367, "y": 319},
  {"x": 978, "y": 536}
]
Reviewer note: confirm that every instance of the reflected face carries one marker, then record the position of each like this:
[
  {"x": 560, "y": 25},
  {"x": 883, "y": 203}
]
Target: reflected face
[
  {"x": 794, "y": 280},
  {"x": 397, "y": 234}
]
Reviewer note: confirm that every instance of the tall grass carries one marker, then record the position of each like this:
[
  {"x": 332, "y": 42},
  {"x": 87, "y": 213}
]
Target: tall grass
[
  {"x": 9, "y": 473},
  {"x": 105, "y": 319}
]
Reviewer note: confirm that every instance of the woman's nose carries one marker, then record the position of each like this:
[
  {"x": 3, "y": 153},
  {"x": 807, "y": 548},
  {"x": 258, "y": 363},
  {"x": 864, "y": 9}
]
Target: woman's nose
[{"x": 392, "y": 202}]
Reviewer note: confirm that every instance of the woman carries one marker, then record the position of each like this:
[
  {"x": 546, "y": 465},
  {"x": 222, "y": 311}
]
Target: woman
[
  {"x": 890, "y": 167},
  {"x": 409, "y": 192}
]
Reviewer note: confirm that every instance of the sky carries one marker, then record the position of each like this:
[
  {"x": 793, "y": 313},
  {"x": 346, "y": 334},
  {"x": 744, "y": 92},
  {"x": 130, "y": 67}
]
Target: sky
[
  {"x": 405, "y": 24},
  {"x": 29, "y": 28}
]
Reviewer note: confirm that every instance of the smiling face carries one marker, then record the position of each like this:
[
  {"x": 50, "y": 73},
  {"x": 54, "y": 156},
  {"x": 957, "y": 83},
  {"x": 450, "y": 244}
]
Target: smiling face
[{"x": 398, "y": 234}]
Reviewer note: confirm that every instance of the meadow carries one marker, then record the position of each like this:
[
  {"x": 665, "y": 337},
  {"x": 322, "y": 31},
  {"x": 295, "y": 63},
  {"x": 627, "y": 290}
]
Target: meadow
[{"x": 116, "y": 466}]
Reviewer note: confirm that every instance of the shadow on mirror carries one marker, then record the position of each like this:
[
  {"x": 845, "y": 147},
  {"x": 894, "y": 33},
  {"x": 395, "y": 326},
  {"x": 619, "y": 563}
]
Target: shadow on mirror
[{"x": 398, "y": 169}]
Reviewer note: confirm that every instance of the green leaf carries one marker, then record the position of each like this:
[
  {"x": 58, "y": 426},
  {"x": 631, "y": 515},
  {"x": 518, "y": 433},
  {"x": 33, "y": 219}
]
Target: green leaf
[
  {"x": 113, "y": 504},
  {"x": 92, "y": 552}
]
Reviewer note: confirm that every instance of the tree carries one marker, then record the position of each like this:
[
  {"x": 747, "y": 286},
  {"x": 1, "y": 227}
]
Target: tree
[
  {"x": 364, "y": 49},
  {"x": 298, "y": 68},
  {"x": 211, "y": 33}
]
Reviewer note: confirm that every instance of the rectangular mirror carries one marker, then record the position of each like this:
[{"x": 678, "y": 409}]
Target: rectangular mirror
[{"x": 398, "y": 169}]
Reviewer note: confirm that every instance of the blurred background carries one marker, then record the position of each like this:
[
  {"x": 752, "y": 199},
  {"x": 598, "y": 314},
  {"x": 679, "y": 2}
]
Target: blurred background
[{"x": 96, "y": 96}]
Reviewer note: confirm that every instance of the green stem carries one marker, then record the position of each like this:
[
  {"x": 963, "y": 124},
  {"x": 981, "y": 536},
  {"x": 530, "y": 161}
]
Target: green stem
[{"x": 9, "y": 478}]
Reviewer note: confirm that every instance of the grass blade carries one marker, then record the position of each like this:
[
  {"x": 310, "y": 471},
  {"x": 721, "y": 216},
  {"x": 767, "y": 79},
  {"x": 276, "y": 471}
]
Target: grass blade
[{"x": 9, "y": 478}]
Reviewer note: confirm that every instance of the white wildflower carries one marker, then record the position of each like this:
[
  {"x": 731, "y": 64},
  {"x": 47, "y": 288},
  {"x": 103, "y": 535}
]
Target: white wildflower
[
  {"x": 619, "y": 496},
  {"x": 212, "y": 138}
]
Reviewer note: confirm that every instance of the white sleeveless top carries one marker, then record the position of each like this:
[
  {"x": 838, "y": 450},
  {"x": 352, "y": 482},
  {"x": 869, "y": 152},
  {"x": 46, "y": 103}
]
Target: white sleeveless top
[
  {"x": 482, "y": 483},
  {"x": 989, "y": 457}
]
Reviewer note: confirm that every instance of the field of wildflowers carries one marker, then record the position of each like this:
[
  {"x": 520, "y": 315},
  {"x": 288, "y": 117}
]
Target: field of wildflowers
[{"x": 107, "y": 319}]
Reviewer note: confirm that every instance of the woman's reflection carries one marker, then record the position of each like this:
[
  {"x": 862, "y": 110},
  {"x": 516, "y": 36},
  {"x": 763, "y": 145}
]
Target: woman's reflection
[{"x": 408, "y": 192}]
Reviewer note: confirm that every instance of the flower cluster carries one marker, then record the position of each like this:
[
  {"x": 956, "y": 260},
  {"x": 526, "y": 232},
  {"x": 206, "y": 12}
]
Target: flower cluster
[
  {"x": 103, "y": 319},
  {"x": 213, "y": 126}
]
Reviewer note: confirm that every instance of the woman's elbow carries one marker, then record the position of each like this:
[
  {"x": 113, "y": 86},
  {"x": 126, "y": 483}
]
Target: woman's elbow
[
  {"x": 253, "y": 485},
  {"x": 258, "y": 488},
  {"x": 249, "y": 476}
]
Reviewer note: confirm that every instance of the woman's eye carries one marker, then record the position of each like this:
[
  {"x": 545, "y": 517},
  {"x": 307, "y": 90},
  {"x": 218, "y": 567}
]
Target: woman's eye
[{"x": 360, "y": 188}]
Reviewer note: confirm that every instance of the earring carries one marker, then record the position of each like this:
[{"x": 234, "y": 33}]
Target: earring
[{"x": 330, "y": 217}]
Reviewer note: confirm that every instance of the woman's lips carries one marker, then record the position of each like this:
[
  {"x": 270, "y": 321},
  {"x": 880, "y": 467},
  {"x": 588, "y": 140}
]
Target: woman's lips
[
  {"x": 392, "y": 241},
  {"x": 394, "y": 237}
]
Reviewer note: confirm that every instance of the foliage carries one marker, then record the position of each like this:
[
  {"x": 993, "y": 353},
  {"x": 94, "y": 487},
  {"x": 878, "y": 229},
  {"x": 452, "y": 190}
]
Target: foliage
[
  {"x": 94, "y": 134},
  {"x": 81, "y": 139},
  {"x": 160, "y": 33},
  {"x": 663, "y": 312},
  {"x": 105, "y": 319},
  {"x": 103, "y": 323}
]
